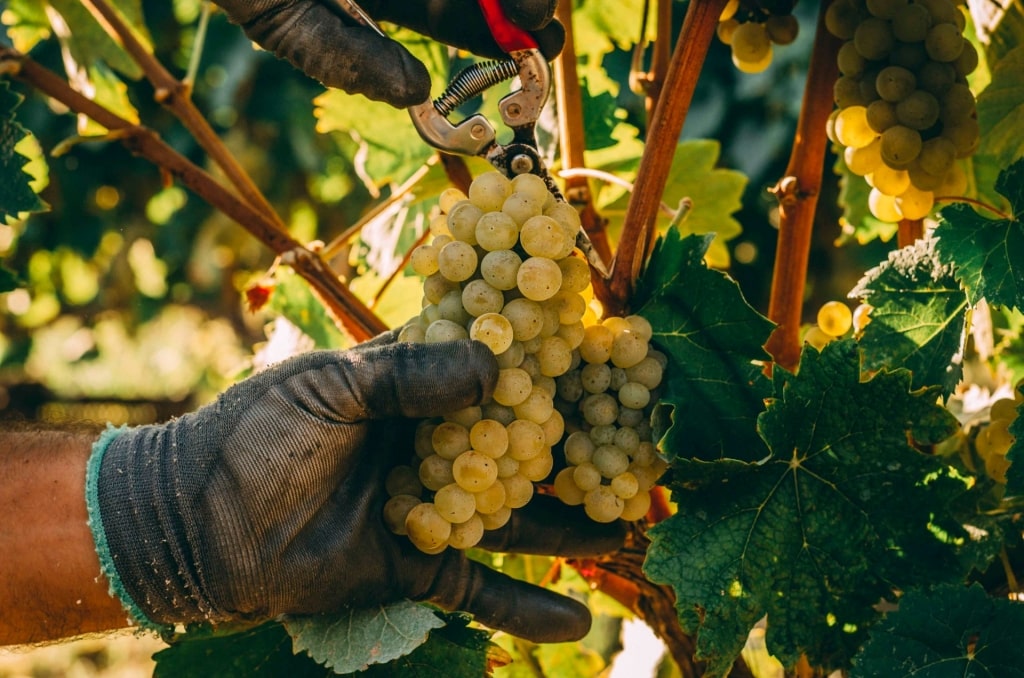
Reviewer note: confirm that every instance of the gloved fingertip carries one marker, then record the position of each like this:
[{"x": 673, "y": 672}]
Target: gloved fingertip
[
  {"x": 546, "y": 526},
  {"x": 506, "y": 604},
  {"x": 393, "y": 76},
  {"x": 530, "y": 14},
  {"x": 550, "y": 39}
]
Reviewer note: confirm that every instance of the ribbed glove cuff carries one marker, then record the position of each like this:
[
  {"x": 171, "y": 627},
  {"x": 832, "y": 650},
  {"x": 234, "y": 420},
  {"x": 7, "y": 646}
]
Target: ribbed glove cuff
[{"x": 143, "y": 547}]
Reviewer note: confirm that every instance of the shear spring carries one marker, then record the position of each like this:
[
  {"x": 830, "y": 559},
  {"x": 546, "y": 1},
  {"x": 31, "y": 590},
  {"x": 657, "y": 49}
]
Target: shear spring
[{"x": 473, "y": 80}]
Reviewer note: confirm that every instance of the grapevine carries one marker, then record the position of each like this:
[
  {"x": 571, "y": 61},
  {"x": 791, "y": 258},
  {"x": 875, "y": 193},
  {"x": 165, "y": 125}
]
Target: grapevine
[{"x": 502, "y": 269}]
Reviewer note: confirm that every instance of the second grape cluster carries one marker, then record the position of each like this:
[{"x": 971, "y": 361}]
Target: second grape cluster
[
  {"x": 904, "y": 111},
  {"x": 503, "y": 269}
]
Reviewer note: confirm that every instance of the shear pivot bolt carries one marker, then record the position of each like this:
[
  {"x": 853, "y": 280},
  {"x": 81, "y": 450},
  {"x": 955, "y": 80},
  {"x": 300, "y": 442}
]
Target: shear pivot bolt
[{"x": 521, "y": 164}]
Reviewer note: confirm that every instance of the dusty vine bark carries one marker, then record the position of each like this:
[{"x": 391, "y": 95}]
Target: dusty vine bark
[
  {"x": 797, "y": 193},
  {"x": 662, "y": 136}
]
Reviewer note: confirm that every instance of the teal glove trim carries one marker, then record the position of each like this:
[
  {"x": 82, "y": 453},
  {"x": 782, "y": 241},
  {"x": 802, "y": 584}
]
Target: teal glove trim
[{"x": 99, "y": 536}]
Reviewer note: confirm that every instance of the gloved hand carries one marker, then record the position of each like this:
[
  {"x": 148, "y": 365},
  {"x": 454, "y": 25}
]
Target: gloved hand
[
  {"x": 321, "y": 40},
  {"x": 269, "y": 500}
]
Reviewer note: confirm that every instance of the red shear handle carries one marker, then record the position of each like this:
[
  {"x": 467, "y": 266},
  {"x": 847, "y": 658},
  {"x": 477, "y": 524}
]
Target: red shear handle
[{"x": 509, "y": 37}]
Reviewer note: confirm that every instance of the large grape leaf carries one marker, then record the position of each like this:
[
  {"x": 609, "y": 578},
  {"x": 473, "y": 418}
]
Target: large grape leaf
[
  {"x": 16, "y": 195},
  {"x": 988, "y": 253},
  {"x": 354, "y": 639},
  {"x": 1001, "y": 110},
  {"x": 814, "y": 536},
  {"x": 949, "y": 631},
  {"x": 917, "y": 317},
  {"x": 714, "y": 389}
]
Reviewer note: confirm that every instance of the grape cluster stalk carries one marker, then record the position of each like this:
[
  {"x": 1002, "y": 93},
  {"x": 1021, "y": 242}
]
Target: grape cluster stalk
[
  {"x": 502, "y": 268},
  {"x": 751, "y": 32},
  {"x": 905, "y": 113}
]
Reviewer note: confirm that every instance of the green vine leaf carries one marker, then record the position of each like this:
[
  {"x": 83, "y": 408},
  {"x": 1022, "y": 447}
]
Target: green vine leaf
[
  {"x": 352, "y": 640},
  {"x": 716, "y": 194},
  {"x": 261, "y": 652},
  {"x": 25, "y": 23},
  {"x": 950, "y": 631},
  {"x": 16, "y": 194},
  {"x": 988, "y": 253},
  {"x": 1000, "y": 109},
  {"x": 814, "y": 536},
  {"x": 917, "y": 317},
  {"x": 452, "y": 650},
  {"x": 88, "y": 43},
  {"x": 714, "y": 388},
  {"x": 393, "y": 147}
]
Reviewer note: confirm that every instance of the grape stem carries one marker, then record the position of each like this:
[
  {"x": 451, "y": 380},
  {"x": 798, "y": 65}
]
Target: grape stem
[
  {"x": 977, "y": 203},
  {"x": 797, "y": 193},
  {"x": 610, "y": 178}
]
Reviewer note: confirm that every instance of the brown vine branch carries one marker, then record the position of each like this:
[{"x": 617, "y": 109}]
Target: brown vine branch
[
  {"x": 569, "y": 99},
  {"x": 798, "y": 193},
  {"x": 909, "y": 231},
  {"x": 347, "y": 310},
  {"x": 662, "y": 138},
  {"x": 175, "y": 95}
]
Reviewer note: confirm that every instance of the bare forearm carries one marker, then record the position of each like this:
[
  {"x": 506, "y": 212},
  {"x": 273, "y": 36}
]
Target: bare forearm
[{"x": 50, "y": 582}]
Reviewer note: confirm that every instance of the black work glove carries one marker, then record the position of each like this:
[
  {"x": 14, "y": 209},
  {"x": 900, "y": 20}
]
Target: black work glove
[
  {"x": 269, "y": 501},
  {"x": 321, "y": 40}
]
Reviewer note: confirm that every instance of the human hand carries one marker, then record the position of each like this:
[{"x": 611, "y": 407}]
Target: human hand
[
  {"x": 320, "y": 39},
  {"x": 269, "y": 501}
]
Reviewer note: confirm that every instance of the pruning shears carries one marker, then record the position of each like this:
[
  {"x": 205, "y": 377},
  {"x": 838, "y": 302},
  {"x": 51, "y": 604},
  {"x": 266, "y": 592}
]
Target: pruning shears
[{"x": 519, "y": 110}]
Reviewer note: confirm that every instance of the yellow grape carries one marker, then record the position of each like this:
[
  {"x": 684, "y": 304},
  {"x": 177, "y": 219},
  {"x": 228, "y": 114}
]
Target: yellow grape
[
  {"x": 852, "y": 128},
  {"x": 835, "y": 318},
  {"x": 883, "y": 206}
]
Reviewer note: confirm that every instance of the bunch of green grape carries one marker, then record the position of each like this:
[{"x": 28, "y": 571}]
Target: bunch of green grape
[
  {"x": 611, "y": 461},
  {"x": 751, "y": 32},
  {"x": 905, "y": 112},
  {"x": 502, "y": 268},
  {"x": 995, "y": 440}
]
